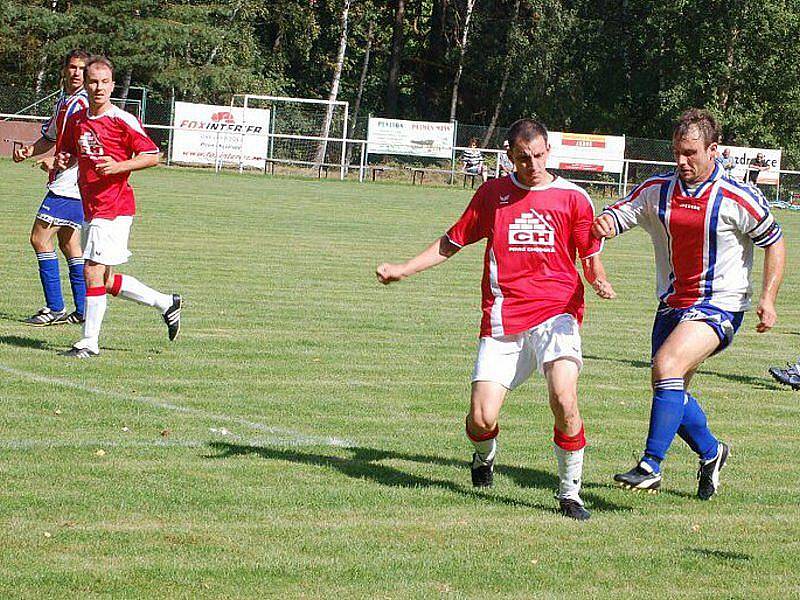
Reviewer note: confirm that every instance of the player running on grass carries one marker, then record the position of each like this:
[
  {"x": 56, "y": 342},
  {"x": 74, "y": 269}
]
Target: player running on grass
[
  {"x": 704, "y": 225},
  {"x": 61, "y": 212},
  {"x": 534, "y": 223},
  {"x": 108, "y": 144}
]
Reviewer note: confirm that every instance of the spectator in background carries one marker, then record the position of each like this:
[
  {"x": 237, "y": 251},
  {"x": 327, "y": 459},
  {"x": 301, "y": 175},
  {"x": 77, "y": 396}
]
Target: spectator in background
[
  {"x": 756, "y": 165},
  {"x": 504, "y": 162},
  {"x": 473, "y": 160},
  {"x": 726, "y": 162}
]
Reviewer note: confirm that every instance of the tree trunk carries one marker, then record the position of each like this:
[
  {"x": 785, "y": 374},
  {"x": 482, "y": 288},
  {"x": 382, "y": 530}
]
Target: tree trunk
[
  {"x": 125, "y": 85},
  {"x": 462, "y": 47},
  {"x": 337, "y": 76},
  {"x": 392, "y": 85},
  {"x": 433, "y": 80},
  {"x": 506, "y": 73},
  {"x": 357, "y": 104}
]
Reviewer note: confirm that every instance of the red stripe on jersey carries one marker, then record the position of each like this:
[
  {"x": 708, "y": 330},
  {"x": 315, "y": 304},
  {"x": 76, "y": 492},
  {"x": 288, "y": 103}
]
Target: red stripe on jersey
[
  {"x": 744, "y": 203},
  {"x": 688, "y": 234},
  {"x": 635, "y": 193}
]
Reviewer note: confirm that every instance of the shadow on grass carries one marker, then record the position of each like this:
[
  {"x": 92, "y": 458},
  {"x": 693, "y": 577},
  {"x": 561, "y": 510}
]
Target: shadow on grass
[
  {"x": 365, "y": 464},
  {"x": 26, "y": 342},
  {"x": 720, "y": 554},
  {"x": 761, "y": 383},
  {"x": 4, "y": 316}
]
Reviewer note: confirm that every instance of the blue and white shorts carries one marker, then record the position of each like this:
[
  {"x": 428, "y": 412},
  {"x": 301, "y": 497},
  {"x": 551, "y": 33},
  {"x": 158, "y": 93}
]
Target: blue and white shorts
[
  {"x": 61, "y": 211},
  {"x": 724, "y": 323}
]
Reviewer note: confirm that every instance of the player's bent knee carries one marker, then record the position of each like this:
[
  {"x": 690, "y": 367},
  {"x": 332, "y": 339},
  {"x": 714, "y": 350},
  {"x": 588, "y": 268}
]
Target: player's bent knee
[{"x": 479, "y": 423}]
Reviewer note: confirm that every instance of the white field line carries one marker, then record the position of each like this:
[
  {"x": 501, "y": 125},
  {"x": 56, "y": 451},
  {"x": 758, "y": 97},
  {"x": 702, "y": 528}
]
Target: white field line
[{"x": 276, "y": 435}]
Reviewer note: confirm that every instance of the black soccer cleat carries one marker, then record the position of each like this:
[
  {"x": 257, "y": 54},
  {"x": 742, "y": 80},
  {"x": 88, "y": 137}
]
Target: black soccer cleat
[
  {"x": 80, "y": 353},
  {"x": 789, "y": 376},
  {"x": 74, "y": 318},
  {"x": 172, "y": 317},
  {"x": 640, "y": 477},
  {"x": 708, "y": 472},
  {"x": 45, "y": 317},
  {"x": 573, "y": 509},
  {"x": 482, "y": 472}
]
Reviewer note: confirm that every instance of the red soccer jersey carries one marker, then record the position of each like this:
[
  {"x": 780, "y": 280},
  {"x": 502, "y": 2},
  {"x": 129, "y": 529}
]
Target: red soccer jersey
[
  {"x": 533, "y": 236},
  {"x": 114, "y": 133}
]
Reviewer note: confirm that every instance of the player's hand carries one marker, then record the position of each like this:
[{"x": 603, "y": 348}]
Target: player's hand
[
  {"x": 47, "y": 164},
  {"x": 22, "y": 152},
  {"x": 105, "y": 165},
  {"x": 61, "y": 160},
  {"x": 603, "y": 227},
  {"x": 602, "y": 288},
  {"x": 767, "y": 316},
  {"x": 388, "y": 272}
]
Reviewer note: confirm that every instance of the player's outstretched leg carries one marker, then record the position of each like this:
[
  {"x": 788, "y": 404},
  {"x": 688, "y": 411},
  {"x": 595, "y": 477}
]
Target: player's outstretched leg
[
  {"x": 789, "y": 376},
  {"x": 169, "y": 305}
]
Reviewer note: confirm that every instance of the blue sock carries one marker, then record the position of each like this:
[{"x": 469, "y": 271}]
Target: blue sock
[
  {"x": 78, "y": 284},
  {"x": 665, "y": 418},
  {"x": 51, "y": 280},
  {"x": 694, "y": 430}
]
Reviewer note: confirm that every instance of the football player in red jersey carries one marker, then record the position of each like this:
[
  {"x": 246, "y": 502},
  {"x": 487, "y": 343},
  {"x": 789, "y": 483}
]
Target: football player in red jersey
[{"x": 535, "y": 224}]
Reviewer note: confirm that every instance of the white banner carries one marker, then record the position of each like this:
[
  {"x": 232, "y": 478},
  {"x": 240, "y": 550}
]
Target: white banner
[
  {"x": 741, "y": 159},
  {"x": 586, "y": 152},
  {"x": 208, "y": 134},
  {"x": 413, "y": 138}
]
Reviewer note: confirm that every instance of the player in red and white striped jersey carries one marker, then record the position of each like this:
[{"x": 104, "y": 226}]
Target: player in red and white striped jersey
[
  {"x": 535, "y": 225},
  {"x": 704, "y": 226},
  {"x": 108, "y": 144},
  {"x": 60, "y": 213}
]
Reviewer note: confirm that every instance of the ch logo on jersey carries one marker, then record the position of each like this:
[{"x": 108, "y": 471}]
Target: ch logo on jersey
[
  {"x": 533, "y": 231},
  {"x": 89, "y": 144}
]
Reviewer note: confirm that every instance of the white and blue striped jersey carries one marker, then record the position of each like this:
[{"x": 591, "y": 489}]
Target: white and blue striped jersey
[{"x": 64, "y": 183}]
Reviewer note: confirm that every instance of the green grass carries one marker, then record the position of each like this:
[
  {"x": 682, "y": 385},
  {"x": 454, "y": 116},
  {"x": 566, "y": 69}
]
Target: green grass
[{"x": 322, "y": 453}]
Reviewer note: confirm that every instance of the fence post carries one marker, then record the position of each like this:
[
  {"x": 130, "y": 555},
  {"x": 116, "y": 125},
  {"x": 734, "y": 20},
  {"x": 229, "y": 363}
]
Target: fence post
[
  {"x": 171, "y": 130},
  {"x": 453, "y": 153},
  {"x": 625, "y": 177}
]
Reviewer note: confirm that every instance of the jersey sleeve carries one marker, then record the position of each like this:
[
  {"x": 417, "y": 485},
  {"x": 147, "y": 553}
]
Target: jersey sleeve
[
  {"x": 630, "y": 211},
  {"x": 67, "y": 142},
  {"x": 50, "y": 127},
  {"x": 139, "y": 141},
  {"x": 473, "y": 224},
  {"x": 586, "y": 244},
  {"x": 755, "y": 219}
]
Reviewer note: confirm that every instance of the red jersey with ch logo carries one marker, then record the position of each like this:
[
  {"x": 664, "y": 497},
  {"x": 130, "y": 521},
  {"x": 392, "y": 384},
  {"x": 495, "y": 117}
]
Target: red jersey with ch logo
[
  {"x": 114, "y": 133},
  {"x": 533, "y": 236}
]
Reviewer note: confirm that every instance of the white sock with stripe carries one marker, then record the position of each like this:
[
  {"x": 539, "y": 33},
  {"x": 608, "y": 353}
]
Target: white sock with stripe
[
  {"x": 132, "y": 289},
  {"x": 96, "y": 303}
]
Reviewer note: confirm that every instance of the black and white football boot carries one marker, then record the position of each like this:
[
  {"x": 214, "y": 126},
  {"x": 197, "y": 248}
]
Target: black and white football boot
[
  {"x": 789, "y": 376},
  {"x": 640, "y": 477},
  {"x": 172, "y": 317},
  {"x": 74, "y": 318},
  {"x": 708, "y": 472},
  {"x": 80, "y": 353},
  {"x": 46, "y": 317},
  {"x": 573, "y": 509},
  {"x": 482, "y": 471}
]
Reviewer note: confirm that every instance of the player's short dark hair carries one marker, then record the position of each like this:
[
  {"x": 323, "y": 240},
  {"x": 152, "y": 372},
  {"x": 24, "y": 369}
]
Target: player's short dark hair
[
  {"x": 526, "y": 129},
  {"x": 74, "y": 53},
  {"x": 703, "y": 120},
  {"x": 98, "y": 60}
]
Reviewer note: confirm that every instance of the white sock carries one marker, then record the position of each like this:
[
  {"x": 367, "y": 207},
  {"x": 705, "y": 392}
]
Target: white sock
[
  {"x": 95, "y": 311},
  {"x": 133, "y": 289},
  {"x": 485, "y": 449},
  {"x": 570, "y": 471}
]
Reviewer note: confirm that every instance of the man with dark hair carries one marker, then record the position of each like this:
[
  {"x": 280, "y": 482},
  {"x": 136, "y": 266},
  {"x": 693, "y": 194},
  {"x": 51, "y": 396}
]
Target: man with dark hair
[
  {"x": 60, "y": 213},
  {"x": 535, "y": 224},
  {"x": 755, "y": 166},
  {"x": 703, "y": 225},
  {"x": 108, "y": 144}
]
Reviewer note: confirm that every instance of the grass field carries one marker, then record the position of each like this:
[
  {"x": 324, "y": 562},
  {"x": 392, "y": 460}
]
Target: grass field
[{"x": 304, "y": 436}]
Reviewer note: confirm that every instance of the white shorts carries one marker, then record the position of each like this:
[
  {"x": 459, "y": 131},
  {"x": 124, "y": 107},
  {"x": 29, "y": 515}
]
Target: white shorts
[
  {"x": 105, "y": 241},
  {"x": 510, "y": 359}
]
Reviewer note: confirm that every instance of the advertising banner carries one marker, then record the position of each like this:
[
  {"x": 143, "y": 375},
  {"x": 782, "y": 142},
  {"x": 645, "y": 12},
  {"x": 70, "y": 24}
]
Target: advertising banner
[
  {"x": 586, "y": 152},
  {"x": 208, "y": 134},
  {"x": 743, "y": 156},
  {"x": 412, "y": 138}
]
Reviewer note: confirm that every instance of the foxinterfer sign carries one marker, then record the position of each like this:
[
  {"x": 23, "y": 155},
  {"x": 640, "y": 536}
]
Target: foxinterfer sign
[
  {"x": 410, "y": 138},
  {"x": 208, "y": 134}
]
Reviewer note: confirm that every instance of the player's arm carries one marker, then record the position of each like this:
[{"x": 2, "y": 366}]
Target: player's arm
[
  {"x": 105, "y": 165},
  {"x": 623, "y": 215},
  {"x": 595, "y": 275},
  {"x": 26, "y": 151},
  {"x": 435, "y": 254},
  {"x": 774, "y": 263}
]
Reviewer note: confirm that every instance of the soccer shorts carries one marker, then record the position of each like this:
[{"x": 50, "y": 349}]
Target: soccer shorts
[
  {"x": 510, "y": 359},
  {"x": 724, "y": 323},
  {"x": 105, "y": 241},
  {"x": 61, "y": 211}
]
